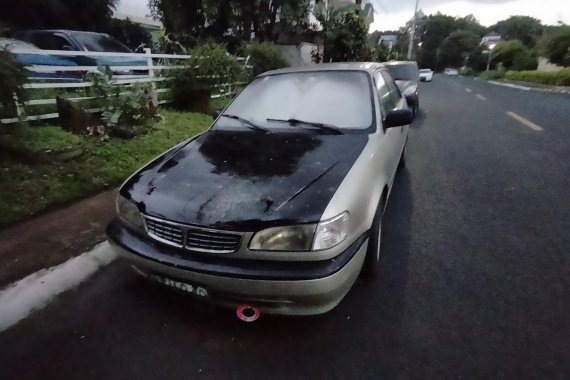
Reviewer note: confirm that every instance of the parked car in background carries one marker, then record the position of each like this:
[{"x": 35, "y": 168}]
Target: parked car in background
[
  {"x": 406, "y": 75},
  {"x": 426, "y": 75},
  {"x": 24, "y": 54},
  {"x": 278, "y": 206},
  {"x": 451, "y": 72},
  {"x": 72, "y": 40}
]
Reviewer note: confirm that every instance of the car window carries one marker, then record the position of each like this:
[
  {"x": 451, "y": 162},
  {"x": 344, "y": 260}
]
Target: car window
[
  {"x": 100, "y": 42},
  {"x": 386, "y": 99},
  {"x": 48, "y": 41},
  {"x": 394, "y": 90},
  {"x": 340, "y": 98},
  {"x": 403, "y": 71}
]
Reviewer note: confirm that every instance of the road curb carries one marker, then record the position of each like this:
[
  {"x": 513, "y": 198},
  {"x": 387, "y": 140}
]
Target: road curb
[{"x": 528, "y": 88}]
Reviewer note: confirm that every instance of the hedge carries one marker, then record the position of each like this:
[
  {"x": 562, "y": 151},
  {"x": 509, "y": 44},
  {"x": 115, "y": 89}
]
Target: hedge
[{"x": 554, "y": 78}]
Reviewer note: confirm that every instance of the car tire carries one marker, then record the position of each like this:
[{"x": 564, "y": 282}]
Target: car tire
[{"x": 372, "y": 258}]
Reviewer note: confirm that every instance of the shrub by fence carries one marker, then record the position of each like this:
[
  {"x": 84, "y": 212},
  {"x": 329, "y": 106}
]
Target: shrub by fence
[{"x": 554, "y": 78}]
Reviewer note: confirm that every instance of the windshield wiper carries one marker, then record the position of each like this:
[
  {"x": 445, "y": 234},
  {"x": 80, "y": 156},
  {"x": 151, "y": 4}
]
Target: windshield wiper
[
  {"x": 326, "y": 127},
  {"x": 246, "y": 122}
]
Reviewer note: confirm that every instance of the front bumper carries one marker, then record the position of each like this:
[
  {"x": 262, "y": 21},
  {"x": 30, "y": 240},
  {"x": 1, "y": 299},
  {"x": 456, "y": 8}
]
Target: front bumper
[{"x": 278, "y": 287}]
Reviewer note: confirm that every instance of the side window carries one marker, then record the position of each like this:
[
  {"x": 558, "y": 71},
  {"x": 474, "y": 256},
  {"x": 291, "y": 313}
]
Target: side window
[
  {"x": 392, "y": 87},
  {"x": 387, "y": 101},
  {"x": 47, "y": 41}
]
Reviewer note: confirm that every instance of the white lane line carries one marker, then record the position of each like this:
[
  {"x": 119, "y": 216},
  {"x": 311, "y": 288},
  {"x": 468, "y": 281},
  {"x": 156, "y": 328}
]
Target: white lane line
[
  {"x": 481, "y": 97},
  {"x": 525, "y": 122},
  {"x": 468, "y": 90},
  {"x": 38, "y": 289}
]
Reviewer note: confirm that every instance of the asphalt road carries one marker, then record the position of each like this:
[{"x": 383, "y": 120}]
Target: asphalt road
[{"x": 474, "y": 280}]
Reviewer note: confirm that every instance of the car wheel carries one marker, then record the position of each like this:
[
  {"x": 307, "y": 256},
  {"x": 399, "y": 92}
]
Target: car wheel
[
  {"x": 370, "y": 267},
  {"x": 402, "y": 162}
]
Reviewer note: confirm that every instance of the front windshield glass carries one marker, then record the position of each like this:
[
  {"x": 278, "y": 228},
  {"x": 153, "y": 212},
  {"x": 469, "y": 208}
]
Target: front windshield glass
[
  {"x": 425, "y": 71},
  {"x": 339, "y": 98},
  {"x": 100, "y": 43},
  {"x": 405, "y": 71}
]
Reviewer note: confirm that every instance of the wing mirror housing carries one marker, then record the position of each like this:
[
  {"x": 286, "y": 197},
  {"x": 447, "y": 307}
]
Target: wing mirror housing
[
  {"x": 215, "y": 114},
  {"x": 398, "y": 118},
  {"x": 412, "y": 100}
]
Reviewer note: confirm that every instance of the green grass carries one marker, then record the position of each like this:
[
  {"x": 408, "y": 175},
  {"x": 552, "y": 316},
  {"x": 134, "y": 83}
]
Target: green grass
[
  {"x": 40, "y": 138},
  {"x": 29, "y": 189}
]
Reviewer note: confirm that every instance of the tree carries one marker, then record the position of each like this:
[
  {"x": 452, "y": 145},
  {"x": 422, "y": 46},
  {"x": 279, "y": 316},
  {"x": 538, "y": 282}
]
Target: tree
[
  {"x": 87, "y": 15},
  {"x": 558, "y": 46},
  {"x": 456, "y": 47},
  {"x": 514, "y": 55},
  {"x": 523, "y": 28},
  {"x": 129, "y": 33},
  {"x": 344, "y": 33}
]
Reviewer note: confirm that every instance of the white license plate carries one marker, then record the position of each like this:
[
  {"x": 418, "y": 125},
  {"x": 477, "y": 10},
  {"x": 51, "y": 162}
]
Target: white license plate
[{"x": 185, "y": 287}]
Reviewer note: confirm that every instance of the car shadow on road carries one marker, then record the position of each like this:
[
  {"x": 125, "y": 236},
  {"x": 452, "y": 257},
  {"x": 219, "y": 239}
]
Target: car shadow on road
[{"x": 419, "y": 119}]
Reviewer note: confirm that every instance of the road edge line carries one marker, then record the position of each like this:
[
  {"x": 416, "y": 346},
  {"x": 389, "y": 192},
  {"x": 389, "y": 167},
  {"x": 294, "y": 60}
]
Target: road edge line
[{"x": 34, "y": 292}]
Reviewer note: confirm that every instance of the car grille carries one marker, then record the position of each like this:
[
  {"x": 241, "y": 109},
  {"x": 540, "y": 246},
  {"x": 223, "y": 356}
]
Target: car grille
[{"x": 191, "y": 237}]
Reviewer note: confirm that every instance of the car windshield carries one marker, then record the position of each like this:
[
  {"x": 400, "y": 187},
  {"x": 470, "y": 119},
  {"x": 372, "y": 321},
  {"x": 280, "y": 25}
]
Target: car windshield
[
  {"x": 404, "y": 71},
  {"x": 337, "y": 98},
  {"x": 100, "y": 42},
  {"x": 425, "y": 71}
]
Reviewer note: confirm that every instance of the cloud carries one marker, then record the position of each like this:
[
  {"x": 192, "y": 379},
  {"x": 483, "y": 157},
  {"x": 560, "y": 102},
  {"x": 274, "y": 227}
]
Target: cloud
[
  {"x": 404, "y": 5},
  {"x": 133, "y": 8}
]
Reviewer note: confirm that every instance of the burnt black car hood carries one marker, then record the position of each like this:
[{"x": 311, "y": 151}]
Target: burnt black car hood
[{"x": 246, "y": 180}]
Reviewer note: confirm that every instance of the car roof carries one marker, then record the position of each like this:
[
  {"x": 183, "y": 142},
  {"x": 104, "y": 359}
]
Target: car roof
[
  {"x": 394, "y": 63},
  {"x": 343, "y": 66},
  {"x": 66, "y": 31}
]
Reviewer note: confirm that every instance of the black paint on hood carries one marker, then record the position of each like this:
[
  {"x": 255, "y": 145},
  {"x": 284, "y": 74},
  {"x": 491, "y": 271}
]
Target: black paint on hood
[{"x": 246, "y": 180}]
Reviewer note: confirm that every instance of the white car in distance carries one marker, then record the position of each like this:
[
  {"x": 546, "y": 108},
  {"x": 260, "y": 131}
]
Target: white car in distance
[
  {"x": 451, "y": 72},
  {"x": 426, "y": 75}
]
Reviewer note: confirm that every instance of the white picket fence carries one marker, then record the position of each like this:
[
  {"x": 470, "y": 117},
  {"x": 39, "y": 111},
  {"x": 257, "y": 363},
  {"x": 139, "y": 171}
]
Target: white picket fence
[{"x": 165, "y": 63}]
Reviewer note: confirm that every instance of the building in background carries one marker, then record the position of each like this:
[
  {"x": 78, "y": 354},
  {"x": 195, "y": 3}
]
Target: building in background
[
  {"x": 492, "y": 38},
  {"x": 389, "y": 40}
]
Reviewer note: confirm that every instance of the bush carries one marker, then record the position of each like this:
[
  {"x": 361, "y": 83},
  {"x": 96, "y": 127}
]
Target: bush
[
  {"x": 263, "y": 56},
  {"x": 209, "y": 67},
  {"x": 492, "y": 75},
  {"x": 558, "y": 47},
  {"x": 553, "y": 78},
  {"x": 120, "y": 107},
  {"x": 12, "y": 78},
  {"x": 513, "y": 55}
]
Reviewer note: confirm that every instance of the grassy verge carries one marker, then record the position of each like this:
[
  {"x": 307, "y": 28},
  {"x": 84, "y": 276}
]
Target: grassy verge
[
  {"x": 551, "y": 78},
  {"x": 29, "y": 189}
]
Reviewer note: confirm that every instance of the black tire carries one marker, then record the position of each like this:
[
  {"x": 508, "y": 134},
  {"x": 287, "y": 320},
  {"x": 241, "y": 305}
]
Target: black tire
[
  {"x": 402, "y": 162},
  {"x": 372, "y": 258}
]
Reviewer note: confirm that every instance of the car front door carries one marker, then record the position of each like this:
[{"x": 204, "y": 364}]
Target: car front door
[{"x": 399, "y": 100}]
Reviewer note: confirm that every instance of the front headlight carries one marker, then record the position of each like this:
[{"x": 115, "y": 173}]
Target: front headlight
[
  {"x": 331, "y": 232},
  {"x": 292, "y": 238},
  {"x": 315, "y": 237},
  {"x": 128, "y": 212}
]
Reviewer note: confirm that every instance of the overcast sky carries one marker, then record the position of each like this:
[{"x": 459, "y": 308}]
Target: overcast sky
[{"x": 391, "y": 14}]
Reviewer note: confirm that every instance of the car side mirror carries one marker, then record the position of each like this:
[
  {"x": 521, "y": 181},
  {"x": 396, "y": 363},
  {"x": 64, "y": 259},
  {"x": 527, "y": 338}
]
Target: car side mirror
[
  {"x": 216, "y": 114},
  {"x": 398, "y": 118},
  {"x": 412, "y": 100}
]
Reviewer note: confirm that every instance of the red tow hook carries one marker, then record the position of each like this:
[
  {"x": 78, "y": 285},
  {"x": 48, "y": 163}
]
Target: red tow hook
[{"x": 248, "y": 313}]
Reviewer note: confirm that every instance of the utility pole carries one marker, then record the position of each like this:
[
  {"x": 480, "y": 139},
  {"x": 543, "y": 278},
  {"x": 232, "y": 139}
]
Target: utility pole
[{"x": 413, "y": 31}]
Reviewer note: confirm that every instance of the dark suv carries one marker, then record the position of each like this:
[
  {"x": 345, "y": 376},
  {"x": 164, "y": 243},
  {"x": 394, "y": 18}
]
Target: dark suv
[{"x": 406, "y": 75}]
